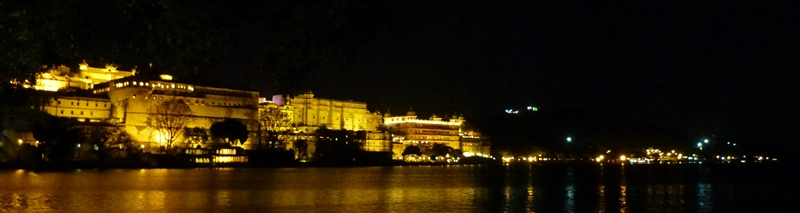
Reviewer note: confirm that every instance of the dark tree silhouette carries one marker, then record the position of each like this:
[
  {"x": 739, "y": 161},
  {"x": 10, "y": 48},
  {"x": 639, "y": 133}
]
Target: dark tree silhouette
[
  {"x": 301, "y": 149},
  {"x": 57, "y": 138},
  {"x": 339, "y": 146},
  {"x": 195, "y": 135},
  {"x": 108, "y": 140},
  {"x": 232, "y": 131},
  {"x": 441, "y": 150},
  {"x": 411, "y": 150},
  {"x": 275, "y": 124},
  {"x": 169, "y": 118}
]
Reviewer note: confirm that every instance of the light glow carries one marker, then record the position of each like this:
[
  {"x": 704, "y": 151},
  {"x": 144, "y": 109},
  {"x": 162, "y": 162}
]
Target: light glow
[
  {"x": 84, "y": 65},
  {"x": 424, "y": 122}
]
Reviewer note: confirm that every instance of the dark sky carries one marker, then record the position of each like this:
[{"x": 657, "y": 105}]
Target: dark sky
[{"x": 701, "y": 69}]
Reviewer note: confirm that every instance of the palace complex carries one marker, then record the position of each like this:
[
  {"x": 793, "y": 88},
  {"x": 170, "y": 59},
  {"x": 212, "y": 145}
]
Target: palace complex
[{"x": 127, "y": 101}]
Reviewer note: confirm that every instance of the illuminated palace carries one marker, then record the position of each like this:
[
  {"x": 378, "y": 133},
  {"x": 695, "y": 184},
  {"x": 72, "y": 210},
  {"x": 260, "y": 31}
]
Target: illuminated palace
[
  {"x": 124, "y": 99},
  {"x": 409, "y": 130},
  {"x": 132, "y": 97},
  {"x": 308, "y": 113},
  {"x": 311, "y": 112}
]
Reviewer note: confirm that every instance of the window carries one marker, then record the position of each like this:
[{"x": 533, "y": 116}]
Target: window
[
  {"x": 81, "y": 112},
  {"x": 87, "y": 103},
  {"x": 59, "y": 102},
  {"x": 91, "y": 113},
  {"x": 95, "y": 104},
  {"x": 71, "y": 103},
  {"x": 104, "y": 105},
  {"x": 71, "y": 112},
  {"x": 62, "y": 111}
]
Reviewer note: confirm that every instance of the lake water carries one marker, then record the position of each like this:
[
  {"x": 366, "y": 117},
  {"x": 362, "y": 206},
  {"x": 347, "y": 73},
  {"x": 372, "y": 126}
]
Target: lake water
[{"x": 535, "y": 188}]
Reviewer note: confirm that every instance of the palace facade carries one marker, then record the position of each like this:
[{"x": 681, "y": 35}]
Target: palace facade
[
  {"x": 311, "y": 113},
  {"x": 124, "y": 99},
  {"x": 409, "y": 130}
]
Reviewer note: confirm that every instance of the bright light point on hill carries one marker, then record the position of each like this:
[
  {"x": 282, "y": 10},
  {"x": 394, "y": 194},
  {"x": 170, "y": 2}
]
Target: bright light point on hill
[
  {"x": 699, "y": 144},
  {"x": 706, "y": 140},
  {"x": 569, "y": 139},
  {"x": 166, "y": 77}
]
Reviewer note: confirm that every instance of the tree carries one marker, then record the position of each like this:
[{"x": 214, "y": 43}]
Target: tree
[
  {"x": 169, "y": 119},
  {"x": 411, "y": 150},
  {"x": 336, "y": 145},
  {"x": 301, "y": 148},
  {"x": 195, "y": 135},
  {"x": 275, "y": 123},
  {"x": 57, "y": 138},
  {"x": 231, "y": 131},
  {"x": 441, "y": 150},
  {"x": 108, "y": 140}
]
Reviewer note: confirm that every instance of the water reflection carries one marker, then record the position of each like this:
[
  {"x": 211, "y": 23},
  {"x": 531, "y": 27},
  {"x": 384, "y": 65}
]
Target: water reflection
[{"x": 528, "y": 188}]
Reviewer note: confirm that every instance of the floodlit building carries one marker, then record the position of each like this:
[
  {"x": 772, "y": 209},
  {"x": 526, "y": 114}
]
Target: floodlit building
[
  {"x": 133, "y": 97},
  {"x": 81, "y": 108},
  {"x": 62, "y": 77},
  {"x": 475, "y": 144},
  {"x": 378, "y": 141},
  {"x": 311, "y": 113},
  {"x": 409, "y": 130},
  {"x": 125, "y": 99}
]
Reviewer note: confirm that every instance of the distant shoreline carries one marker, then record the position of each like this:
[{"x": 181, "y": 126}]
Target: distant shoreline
[{"x": 148, "y": 165}]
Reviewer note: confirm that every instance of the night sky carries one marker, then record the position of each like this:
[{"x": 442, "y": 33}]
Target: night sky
[{"x": 726, "y": 70}]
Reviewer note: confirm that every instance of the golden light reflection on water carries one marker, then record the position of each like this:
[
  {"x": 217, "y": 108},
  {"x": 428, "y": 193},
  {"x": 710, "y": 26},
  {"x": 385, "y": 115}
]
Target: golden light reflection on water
[{"x": 377, "y": 189}]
